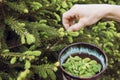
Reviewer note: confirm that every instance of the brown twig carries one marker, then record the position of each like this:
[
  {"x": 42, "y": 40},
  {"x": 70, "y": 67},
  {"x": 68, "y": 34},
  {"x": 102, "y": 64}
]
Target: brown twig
[{"x": 2, "y": 9}]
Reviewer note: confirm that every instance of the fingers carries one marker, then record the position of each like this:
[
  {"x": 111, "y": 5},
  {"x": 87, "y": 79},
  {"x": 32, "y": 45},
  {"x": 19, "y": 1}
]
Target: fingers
[
  {"x": 75, "y": 27},
  {"x": 83, "y": 22},
  {"x": 78, "y": 26},
  {"x": 68, "y": 18}
]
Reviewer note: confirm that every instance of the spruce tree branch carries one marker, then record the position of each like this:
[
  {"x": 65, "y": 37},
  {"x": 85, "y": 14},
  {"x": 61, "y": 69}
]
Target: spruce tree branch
[
  {"x": 44, "y": 8},
  {"x": 55, "y": 44},
  {"x": 11, "y": 54},
  {"x": 14, "y": 45}
]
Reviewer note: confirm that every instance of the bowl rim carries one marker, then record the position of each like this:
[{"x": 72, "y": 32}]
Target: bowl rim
[{"x": 83, "y": 43}]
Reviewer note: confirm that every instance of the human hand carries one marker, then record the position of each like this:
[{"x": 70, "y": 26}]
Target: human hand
[{"x": 86, "y": 15}]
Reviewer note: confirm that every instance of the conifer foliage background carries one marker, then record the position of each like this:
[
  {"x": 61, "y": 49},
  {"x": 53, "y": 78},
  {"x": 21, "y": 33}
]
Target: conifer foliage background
[{"x": 32, "y": 35}]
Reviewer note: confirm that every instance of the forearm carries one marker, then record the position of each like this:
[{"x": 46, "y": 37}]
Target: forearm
[{"x": 113, "y": 12}]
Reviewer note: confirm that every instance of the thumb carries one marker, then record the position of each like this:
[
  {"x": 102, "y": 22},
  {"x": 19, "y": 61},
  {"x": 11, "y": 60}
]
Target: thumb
[{"x": 78, "y": 26}]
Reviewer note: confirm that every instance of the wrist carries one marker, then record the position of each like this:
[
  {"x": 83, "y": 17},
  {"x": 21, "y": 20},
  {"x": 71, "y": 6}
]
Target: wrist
[
  {"x": 108, "y": 9},
  {"x": 112, "y": 12}
]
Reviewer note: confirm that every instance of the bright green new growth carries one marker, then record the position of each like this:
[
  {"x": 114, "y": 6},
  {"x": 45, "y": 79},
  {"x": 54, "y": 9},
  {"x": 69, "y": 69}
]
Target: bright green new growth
[{"x": 81, "y": 67}]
